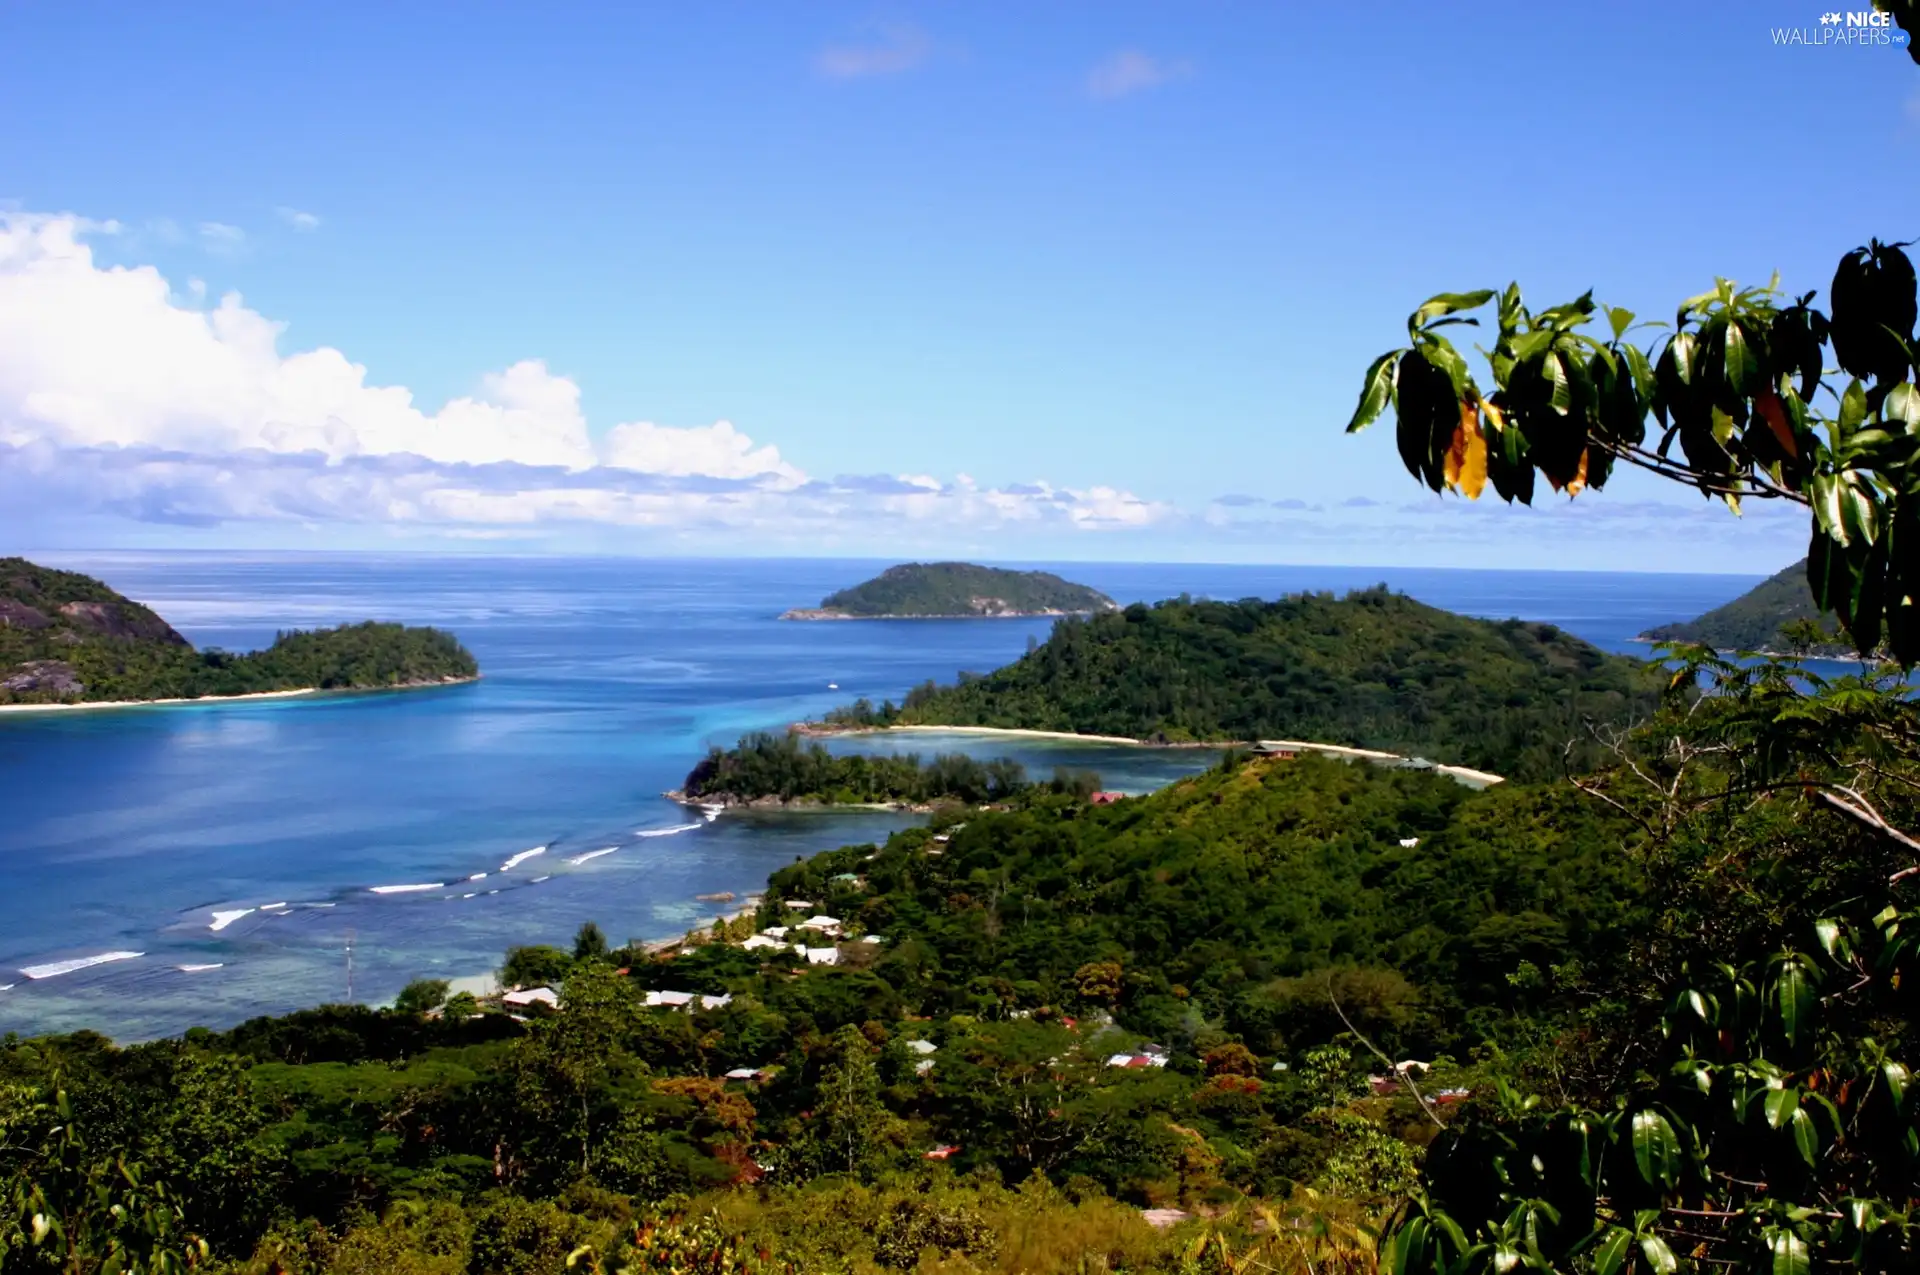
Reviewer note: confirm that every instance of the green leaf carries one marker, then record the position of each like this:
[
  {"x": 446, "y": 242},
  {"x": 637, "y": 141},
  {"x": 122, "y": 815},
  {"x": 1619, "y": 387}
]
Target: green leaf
[
  {"x": 1741, "y": 365},
  {"x": 1375, "y": 391},
  {"x": 1896, "y": 1076},
  {"x": 1833, "y": 940},
  {"x": 1780, "y": 1105},
  {"x": 1794, "y": 997},
  {"x": 1619, "y": 318},
  {"x": 1448, "y": 303},
  {"x": 1611, "y": 1255},
  {"x": 1806, "y": 1138},
  {"x": 1902, "y": 407},
  {"x": 1853, "y": 408},
  {"x": 1659, "y": 1256},
  {"x": 1554, "y": 371},
  {"x": 1656, "y": 1151},
  {"x": 1789, "y": 1253}
]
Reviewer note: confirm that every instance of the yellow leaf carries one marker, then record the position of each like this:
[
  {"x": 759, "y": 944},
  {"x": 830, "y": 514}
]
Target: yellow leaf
[
  {"x": 1578, "y": 483},
  {"x": 1465, "y": 468}
]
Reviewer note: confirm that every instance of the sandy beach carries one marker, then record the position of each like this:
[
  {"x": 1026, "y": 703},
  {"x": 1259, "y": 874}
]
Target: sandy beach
[
  {"x": 233, "y": 699},
  {"x": 149, "y": 703},
  {"x": 1010, "y": 731}
]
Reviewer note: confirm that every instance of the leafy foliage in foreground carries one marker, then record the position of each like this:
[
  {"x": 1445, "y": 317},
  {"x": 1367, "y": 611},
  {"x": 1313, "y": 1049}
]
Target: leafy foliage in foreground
[
  {"x": 1736, "y": 384},
  {"x": 1374, "y": 669},
  {"x": 67, "y": 637}
]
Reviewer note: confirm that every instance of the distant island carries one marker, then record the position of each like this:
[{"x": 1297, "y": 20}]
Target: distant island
[
  {"x": 1775, "y": 616},
  {"x": 956, "y": 591},
  {"x": 1374, "y": 670},
  {"x": 67, "y": 638}
]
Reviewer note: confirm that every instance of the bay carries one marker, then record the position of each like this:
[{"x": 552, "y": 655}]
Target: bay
[{"x": 171, "y": 832}]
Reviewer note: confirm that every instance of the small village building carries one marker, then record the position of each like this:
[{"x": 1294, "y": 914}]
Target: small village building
[
  {"x": 942, "y": 1153},
  {"x": 752, "y": 1075},
  {"x": 762, "y": 940},
  {"x": 922, "y": 1046},
  {"x": 798, "y": 905},
  {"x": 822, "y": 955},
  {"x": 1106, "y": 798},
  {"x": 849, "y": 878},
  {"x": 1134, "y": 1062},
  {"x": 775, "y": 931},
  {"x": 532, "y": 996},
  {"x": 1408, "y": 843},
  {"x": 686, "y": 1000}
]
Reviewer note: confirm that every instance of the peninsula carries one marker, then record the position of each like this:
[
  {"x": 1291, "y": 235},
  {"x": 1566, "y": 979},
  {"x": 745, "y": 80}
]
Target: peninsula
[
  {"x": 957, "y": 591},
  {"x": 67, "y": 639},
  {"x": 1374, "y": 670},
  {"x": 1775, "y": 616}
]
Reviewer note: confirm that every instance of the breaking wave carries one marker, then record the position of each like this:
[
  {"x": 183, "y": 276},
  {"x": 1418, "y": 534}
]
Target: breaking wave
[
  {"x": 521, "y": 858},
  {"x": 579, "y": 859},
  {"x": 53, "y": 969},
  {"x": 222, "y": 919},
  {"x": 668, "y": 832},
  {"x": 406, "y": 889}
]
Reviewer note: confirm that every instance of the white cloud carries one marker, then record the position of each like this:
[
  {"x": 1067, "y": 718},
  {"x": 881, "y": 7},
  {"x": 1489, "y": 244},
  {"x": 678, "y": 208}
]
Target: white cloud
[
  {"x": 219, "y": 238},
  {"x": 119, "y": 397},
  {"x": 297, "y": 219},
  {"x": 1130, "y": 71},
  {"x": 899, "y": 48},
  {"x": 718, "y": 450}
]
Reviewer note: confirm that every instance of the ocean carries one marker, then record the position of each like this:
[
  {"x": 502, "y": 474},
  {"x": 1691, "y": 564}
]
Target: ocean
[{"x": 167, "y": 867}]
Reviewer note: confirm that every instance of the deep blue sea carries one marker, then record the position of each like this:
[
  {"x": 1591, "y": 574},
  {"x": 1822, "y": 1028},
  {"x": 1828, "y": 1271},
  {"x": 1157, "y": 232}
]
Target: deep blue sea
[{"x": 286, "y": 823}]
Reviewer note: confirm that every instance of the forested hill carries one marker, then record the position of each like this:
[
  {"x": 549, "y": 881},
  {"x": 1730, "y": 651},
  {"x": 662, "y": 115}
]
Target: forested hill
[
  {"x": 1374, "y": 669},
  {"x": 1765, "y": 618},
  {"x": 935, "y": 590},
  {"x": 68, "y": 638}
]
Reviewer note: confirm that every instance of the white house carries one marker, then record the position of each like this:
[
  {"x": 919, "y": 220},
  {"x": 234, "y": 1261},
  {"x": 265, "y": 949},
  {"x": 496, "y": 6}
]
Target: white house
[
  {"x": 922, "y": 1046},
  {"x": 822, "y": 955},
  {"x": 533, "y": 996},
  {"x": 762, "y": 940}
]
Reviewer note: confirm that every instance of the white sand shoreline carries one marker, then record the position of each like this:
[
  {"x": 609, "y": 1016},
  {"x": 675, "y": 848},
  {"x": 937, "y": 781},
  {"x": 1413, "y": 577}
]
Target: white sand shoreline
[
  {"x": 149, "y": 703},
  {"x": 227, "y": 699},
  {"x": 1015, "y": 732}
]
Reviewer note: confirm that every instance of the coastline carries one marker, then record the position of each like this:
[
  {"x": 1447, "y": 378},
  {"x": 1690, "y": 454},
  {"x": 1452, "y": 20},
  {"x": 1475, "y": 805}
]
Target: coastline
[
  {"x": 230, "y": 699},
  {"x": 1014, "y": 732},
  {"x": 810, "y": 614}
]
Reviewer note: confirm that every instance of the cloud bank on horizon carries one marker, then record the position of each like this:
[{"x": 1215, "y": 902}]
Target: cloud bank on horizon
[
  {"x": 119, "y": 396},
  {"x": 127, "y": 407}
]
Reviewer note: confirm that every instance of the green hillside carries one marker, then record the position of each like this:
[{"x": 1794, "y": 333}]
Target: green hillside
[
  {"x": 68, "y": 638},
  {"x": 918, "y": 590},
  {"x": 1374, "y": 669},
  {"x": 1765, "y": 618}
]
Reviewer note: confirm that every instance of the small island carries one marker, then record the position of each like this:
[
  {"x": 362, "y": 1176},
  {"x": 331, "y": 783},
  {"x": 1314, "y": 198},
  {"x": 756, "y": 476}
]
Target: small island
[
  {"x": 957, "y": 591},
  {"x": 67, "y": 639},
  {"x": 780, "y": 771},
  {"x": 1775, "y": 617}
]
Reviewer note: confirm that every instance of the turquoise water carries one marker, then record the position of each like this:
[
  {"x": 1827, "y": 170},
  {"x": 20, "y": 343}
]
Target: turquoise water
[{"x": 137, "y": 831}]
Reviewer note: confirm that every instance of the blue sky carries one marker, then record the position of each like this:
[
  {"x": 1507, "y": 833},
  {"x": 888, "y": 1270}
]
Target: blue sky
[{"x": 1012, "y": 281}]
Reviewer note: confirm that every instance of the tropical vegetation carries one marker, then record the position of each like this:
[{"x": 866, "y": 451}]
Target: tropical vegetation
[
  {"x": 1374, "y": 669},
  {"x": 785, "y": 768}
]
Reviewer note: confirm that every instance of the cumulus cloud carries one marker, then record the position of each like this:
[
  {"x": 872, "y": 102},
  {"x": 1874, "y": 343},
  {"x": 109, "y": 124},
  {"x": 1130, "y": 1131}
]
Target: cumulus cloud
[
  {"x": 120, "y": 397},
  {"x": 898, "y": 48},
  {"x": 296, "y": 218},
  {"x": 1130, "y": 71}
]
